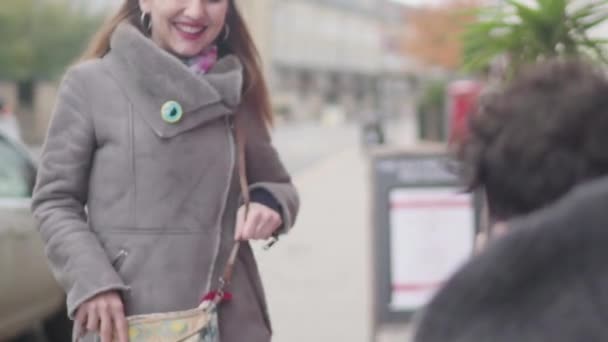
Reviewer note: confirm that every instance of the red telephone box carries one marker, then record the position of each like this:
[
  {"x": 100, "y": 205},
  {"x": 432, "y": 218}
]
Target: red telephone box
[{"x": 462, "y": 102}]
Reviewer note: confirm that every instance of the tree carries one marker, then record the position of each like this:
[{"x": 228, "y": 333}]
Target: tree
[
  {"x": 528, "y": 33},
  {"x": 431, "y": 111},
  {"x": 434, "y": 33},
  {"x": 39, "y": 38}
]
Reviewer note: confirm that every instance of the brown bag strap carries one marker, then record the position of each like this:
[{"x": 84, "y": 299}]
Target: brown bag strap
[{"x": 244, "y": 184}]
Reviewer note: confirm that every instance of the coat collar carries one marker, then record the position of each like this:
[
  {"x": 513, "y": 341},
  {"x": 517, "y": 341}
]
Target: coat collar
[{"x": 155, "y": 77}]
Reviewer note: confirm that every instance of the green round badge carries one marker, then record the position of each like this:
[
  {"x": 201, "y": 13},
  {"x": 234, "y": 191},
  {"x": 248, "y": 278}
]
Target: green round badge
[{"x": 172, "y": 112}]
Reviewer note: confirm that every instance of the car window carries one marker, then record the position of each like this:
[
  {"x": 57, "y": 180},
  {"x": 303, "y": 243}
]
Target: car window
[{"x": 15, "y": 172}]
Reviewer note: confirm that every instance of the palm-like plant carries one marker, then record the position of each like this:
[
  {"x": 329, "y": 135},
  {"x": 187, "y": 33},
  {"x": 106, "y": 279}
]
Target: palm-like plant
[{"x": 528, "y": 33}]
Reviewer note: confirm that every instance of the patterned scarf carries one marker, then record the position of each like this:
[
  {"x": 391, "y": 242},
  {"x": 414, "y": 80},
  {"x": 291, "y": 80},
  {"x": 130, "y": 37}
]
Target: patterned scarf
[{"x": 204, "y": 61}]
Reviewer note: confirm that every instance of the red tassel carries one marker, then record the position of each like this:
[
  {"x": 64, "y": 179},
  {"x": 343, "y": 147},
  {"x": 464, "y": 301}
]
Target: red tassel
[{"x": 211, "y": 295}]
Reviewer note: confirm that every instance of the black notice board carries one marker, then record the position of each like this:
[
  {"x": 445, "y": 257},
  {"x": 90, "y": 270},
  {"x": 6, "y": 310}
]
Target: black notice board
[{"x": 394, "y": 174}]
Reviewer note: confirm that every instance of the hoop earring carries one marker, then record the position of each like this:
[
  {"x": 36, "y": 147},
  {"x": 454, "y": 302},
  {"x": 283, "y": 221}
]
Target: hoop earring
[
  {"x": 146, "y": 21},
  {"x": 226, "y": 32}
]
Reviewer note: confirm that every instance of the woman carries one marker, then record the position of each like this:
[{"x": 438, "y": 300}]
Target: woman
[{"x": 138, "y": 191}]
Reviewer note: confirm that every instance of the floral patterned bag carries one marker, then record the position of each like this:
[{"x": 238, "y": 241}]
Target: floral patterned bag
[{"x": 196, "y": 325}]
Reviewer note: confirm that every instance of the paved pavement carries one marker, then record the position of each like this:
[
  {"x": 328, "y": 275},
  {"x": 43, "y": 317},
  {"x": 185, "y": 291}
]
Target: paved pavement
[{"x": 318, "y": 279}]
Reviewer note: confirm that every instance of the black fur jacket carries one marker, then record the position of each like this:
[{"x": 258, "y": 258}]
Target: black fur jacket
[{"x": 546, "y": 280}]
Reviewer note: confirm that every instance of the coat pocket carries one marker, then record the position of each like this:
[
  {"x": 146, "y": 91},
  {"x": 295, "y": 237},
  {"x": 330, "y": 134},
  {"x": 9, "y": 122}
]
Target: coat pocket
[
  {"x": 119, "y": 258},
  {"x": 166, "y": 270}
]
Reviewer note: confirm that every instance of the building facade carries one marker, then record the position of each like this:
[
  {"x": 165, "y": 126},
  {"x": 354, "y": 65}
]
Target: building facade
[{"x": 331, "y": 59}]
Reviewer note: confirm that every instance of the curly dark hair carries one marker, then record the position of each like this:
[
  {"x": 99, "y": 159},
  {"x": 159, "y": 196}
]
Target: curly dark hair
[{"x": 533, "y": 141}]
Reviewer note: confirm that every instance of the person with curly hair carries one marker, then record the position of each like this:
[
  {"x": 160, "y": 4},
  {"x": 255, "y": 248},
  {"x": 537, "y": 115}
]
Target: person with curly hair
[{"x": 538, "y": 150}]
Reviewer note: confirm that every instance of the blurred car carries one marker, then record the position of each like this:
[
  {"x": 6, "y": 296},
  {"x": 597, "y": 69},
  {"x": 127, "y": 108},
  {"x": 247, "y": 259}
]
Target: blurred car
[
  {"x": 8, "y": 121},
  {"x": 31, "y": 302}
]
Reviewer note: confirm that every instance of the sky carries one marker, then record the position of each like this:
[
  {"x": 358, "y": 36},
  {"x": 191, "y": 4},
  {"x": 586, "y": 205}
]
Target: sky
[{"x": 417, "y": 2}]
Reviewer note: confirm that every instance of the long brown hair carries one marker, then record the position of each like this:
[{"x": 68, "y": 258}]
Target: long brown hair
[{"x": 256, "y": 97}]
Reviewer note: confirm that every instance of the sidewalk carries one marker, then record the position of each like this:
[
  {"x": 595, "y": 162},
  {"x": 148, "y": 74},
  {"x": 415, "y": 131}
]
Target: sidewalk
[{"x": 318, "y": 279}]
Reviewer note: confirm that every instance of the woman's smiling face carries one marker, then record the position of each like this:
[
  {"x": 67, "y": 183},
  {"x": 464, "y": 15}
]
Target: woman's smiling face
[{"x": 185, "y": 27}]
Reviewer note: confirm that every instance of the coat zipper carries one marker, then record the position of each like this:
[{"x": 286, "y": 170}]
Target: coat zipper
[
  {"x": 119, "y": 258},
  {"x": 224, "y": 203}
]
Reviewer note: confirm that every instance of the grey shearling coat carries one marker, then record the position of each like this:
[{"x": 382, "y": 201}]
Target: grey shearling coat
[{"x": 128, "y": 202}]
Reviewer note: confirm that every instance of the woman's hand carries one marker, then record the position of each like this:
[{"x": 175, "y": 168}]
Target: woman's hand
[
  {"x": 105, "y": 315},
  {"x": 260, "y": 224}
]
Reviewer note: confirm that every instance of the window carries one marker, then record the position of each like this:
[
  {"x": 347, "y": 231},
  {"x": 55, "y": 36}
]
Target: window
[{"x": 16, "y": 172}]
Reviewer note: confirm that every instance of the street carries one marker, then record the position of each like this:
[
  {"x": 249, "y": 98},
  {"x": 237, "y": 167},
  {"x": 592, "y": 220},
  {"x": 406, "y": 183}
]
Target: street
[{"x": 301, "y": 145}]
